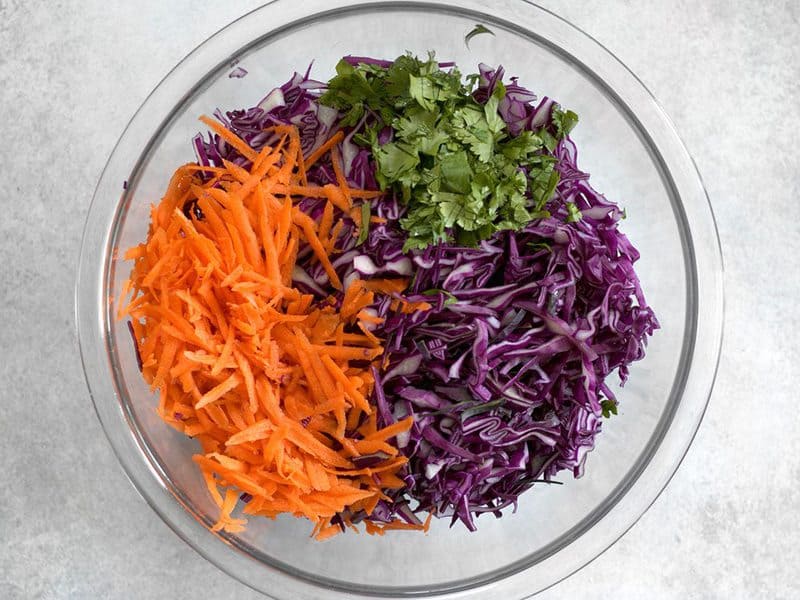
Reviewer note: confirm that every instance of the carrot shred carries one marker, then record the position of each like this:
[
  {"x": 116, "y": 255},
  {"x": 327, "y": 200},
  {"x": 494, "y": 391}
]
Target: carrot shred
[
  {"x": 336, "y": 161},
  {"x": 325, "y": 225},
  {"x": 272, "y": 387},
  {"x": 230, "y": 137},
  {"x": 392, "y": 430},
  {"x": 337, "y": 373},
  {"x": 312, "y": 191},
  {"x": 324, "y": 148},
  {"x": 386, "y": 286},
  {"x": 337, "y": 197},
  {"x": 319, "y": 250}
]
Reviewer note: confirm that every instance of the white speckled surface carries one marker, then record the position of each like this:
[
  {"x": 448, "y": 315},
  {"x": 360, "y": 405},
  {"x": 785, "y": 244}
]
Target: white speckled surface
[{"x": 72, "y": 73}]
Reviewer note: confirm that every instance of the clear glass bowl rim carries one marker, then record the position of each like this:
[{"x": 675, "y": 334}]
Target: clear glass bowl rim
[{"x": 648, "y": 477}]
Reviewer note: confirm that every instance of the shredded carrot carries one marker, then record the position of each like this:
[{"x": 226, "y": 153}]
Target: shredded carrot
[
  {"x": 338, "y": 165},
  {"x": 387, "y": 286},
  {"x": 311, "y": 191},
  {"x": 338, "y": 198},
  {"x": 230, "y": 137},
  {"x": 272, "y": 386},
  {"x": 324, "y": 147}
]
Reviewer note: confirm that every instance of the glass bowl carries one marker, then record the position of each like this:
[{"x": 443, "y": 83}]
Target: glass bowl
[{"x": 635, "y": 158}]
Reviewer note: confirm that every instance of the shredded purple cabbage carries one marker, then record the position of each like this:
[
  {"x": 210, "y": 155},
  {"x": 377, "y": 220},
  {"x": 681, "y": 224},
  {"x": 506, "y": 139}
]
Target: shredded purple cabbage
[
  {"x": 237, "y": 73},
  {"x": 506, "y": 374},
  {"x": 293, "y": 103}
]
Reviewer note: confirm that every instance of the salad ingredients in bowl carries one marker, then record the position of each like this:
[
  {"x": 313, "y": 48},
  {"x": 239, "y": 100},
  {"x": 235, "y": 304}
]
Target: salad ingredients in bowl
[{"x": 386, "y": 297}]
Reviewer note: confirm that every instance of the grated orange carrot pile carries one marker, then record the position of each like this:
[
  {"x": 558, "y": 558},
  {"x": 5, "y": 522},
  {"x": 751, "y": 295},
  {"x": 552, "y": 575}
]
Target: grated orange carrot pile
[{"x": 273, "y": 387}]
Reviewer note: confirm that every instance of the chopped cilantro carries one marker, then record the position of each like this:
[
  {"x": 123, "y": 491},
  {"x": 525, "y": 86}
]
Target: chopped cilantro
[
  {"x": 481, "y": 408},
  {"x": 451, "y": 159},
  {"x": 477, "y": 30},
  {"x": 540, "y": 246},
  {"x": 573, "y": 213},
  {"x": 609, "y": 407},
  {"x": 366, "y": 213},
  {"x": 564, "y": 121},
  {"x": 450, "y": 298}
]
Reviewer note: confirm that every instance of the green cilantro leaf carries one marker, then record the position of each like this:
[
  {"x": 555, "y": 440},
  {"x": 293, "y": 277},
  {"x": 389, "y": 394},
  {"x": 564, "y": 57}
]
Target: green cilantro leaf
[
  {"x": 481, "y": 408},
  {"x": 477, "y": 30},
  {"x": 544, "y": 182},
  {"x": 494, "y": 121},
  {"x": 449, "y": 298},
  {"x": 366, "y": 213},
  {"x": 544, "y": 246},
  {"x": 456, "y": 173},
  {"x": 573, "y": 213},
  {"x": 609, "y": 407},
  {"x": 423, "y": 90},
  {"x": 396, "y": 159},
  {"x": 564, "y": 121}
]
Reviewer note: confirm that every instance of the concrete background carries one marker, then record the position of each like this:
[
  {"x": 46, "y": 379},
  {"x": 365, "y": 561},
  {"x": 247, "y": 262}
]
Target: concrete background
[{"x": 71, "y": 75}]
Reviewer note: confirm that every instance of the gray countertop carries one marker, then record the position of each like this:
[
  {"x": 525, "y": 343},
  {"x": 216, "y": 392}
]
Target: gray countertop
[{"x": 72, "y": 74}]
